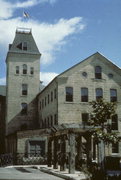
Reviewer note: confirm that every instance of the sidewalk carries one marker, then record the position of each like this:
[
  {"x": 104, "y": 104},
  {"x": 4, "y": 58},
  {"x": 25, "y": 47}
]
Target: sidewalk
[
  {"x": 56, "y": 172},
  {"x": 63, "y": 174}
]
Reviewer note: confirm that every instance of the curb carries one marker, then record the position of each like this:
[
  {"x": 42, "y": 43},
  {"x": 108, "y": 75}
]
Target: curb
[{"x": 56, "y": 174}]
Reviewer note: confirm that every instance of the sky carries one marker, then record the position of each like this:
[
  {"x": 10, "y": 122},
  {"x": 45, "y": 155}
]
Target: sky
[{"x": 65, "y": 31}]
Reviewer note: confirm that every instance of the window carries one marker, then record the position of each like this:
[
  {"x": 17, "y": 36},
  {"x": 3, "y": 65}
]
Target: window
[
  {"x": 25, "y": 46},
  {"x": 55, "y": 93},
  {"x": 114, "y": 122},
  {"x": 115, "y": 147},
  {"x": 37, "y": 147},
  {"x": 40, "y": 105},
  {"x": 98, "y": 72},
  {"x": 69, "y": 94},
  {"x": 99, "y": 93},
  {"x": 113, "y": 95},
  {"x": 84, "y": 94},
  {"x": 51, "y": 118},
  {"x": 31, "y": 70},
  {"x": 48, "y": 98},
  {"x": 55, "y": 119},
  {"x": 22, "y": 46},
  {"x": 45, "y": 101},
  {"x": 17, "y": 69},
  {"x": 85, "y": 118},
  {"x": 24, "y": 69},
  {"x": 51, "y": 96},
  {"x": 48, "y": 121},
  {"x": 24, "y": 108},
  {"x": 24, "y": 89}
]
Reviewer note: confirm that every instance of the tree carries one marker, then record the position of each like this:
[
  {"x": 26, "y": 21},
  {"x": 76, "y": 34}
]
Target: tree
[{"x": 100, "y": 120}]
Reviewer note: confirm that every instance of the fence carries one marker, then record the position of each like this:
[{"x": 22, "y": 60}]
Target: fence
[{"x": 21, "y": 159}]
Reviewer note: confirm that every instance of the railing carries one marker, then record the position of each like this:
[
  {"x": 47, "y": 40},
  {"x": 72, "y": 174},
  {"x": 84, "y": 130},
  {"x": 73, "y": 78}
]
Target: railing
[{"x": 22, "y": 159}]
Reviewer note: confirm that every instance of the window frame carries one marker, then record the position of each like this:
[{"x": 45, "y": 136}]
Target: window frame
[
  {"x": 98, "y": 72},
  {"x": 69, "y": 94},
  {"x": 24, "y": 89},
  {"x": 98, "y": 97},
  {"x": 113, "y": 98},
  {"x": 84, "y": 98}
]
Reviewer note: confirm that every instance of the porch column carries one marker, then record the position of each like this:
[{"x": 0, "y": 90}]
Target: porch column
[
  {"x": 56, "y": 153},
  {"x": 72, "y": 153},
  {"x": 79, "y": 149},
  {"x": 49, "y": 157},
  {"x": 88, "y": 150},
  {"x": 63, "y": 154}
]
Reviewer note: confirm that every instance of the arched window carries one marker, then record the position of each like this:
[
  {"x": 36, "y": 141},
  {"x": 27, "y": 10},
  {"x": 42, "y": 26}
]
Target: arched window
[
  {"x": 98, "y": 72},
  {"x": 24, "y": 108},
  {"x": 24, "y": 69},
  {"x": 99, "y": 93}
]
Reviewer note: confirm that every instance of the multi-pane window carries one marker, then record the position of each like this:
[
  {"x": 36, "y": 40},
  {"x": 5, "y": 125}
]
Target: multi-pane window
[
  {"x": 115, "y": 147},
  {"x": 114, "y": 122},
  {"x": 99, "y": 93},
  {"x": 85, "y": 118},
  {"x": 98, "y": 72},
  {"x": 25, "y": 46},
  {"x": 23, "y": 108},
  {"x": 31, "y": 70},
  {"x": 37, "y": 147},
  {"x": 51, "y": 96},
  {"x": 84, "y": 94},
  {"x": 113, "y": 95},
  {"x": 24, "y": 89},
  {"x": 17, "y": 69},
  {"x": 24, "y": 69},
  {"x": 69, "y": 94}
]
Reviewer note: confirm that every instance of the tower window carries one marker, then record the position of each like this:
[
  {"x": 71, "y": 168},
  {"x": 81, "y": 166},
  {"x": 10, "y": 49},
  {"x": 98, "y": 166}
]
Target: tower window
[
  {"x": 84, "y": 94},
  {"x": 24, "y": 89},
  {"x": 24, "y": 108},
  {"x": 24, "y": 69},
  {"x": 98, "y": 72},
  {"x": 99, "y": 93},
  {"x": 69, "y": 94},
  {"x": 25, "y": 46},
  {"x": 17, "y": 69},
  {"x": 31, "y": 70},
  {"x": 113, "y": 95}
]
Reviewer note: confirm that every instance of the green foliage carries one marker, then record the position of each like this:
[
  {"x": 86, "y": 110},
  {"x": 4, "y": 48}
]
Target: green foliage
[{"x": 102, "y": 113}]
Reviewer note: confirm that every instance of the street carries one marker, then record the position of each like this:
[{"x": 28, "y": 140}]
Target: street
[{"x": 21, "y": 173}]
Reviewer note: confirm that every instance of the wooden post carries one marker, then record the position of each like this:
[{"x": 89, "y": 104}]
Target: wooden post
[
  {"x": 56, "y": 153},
  {"x": 63, "y": 154},
  {"x": 88, "y": 150},
  {"x": 49, "y": 157},
  {"x": 72, "y": 153}
]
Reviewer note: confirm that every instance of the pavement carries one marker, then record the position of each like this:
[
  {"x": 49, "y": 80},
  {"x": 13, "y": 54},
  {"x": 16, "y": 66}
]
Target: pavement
[{"x": 38, "y": 172}]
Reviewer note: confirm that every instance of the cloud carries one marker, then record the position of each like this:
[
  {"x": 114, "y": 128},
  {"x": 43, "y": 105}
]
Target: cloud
[
  {"x": 47, "y": 77},
  {"x": 49, "y": 37},
  {"x": 2, "y": 81}
]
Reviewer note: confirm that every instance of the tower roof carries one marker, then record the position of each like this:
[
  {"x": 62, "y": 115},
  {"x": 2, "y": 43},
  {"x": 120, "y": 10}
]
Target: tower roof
[{"x": 24, "y": 42}]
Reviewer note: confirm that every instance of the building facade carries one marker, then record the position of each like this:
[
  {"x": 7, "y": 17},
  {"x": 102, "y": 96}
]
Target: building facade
[{"x": 31, "y": 116}]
